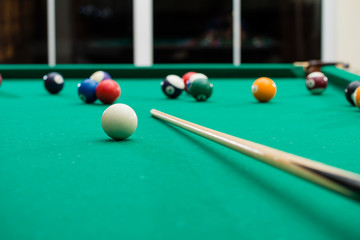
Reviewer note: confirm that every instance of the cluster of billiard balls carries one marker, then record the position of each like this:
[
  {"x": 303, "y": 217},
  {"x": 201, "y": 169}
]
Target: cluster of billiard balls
[
  {"x": 99, "y": 86},
  {"x": 263, "y": 89},
  {"x": 196, "y": 84},
  {"x": 119, "y": 121}
]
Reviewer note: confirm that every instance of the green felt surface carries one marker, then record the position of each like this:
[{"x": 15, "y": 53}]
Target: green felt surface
[
  {"x": 61, "y": 177},
  {"x": 339, "y": 77}
]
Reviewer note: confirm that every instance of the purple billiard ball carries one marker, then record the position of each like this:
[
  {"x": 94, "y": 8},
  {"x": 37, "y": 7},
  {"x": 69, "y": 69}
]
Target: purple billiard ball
[
  {"x": 316, "y": 82},
  {"x": 53, "y": 82},
  {"x": 87, "y": 90},
  {"x": 172, "y": 86}
]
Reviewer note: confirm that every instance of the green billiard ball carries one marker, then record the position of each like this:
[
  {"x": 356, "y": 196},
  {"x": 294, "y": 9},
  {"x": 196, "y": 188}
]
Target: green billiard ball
[{"x": 201, "y": 89}]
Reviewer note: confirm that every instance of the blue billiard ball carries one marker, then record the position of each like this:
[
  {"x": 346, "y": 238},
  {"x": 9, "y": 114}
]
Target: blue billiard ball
[
  {"x": 87, "y": 90},
  {"x": 53, "y": 82},
  {"x": 100, "y": 75},
  {"x": 172, "y": 86}
]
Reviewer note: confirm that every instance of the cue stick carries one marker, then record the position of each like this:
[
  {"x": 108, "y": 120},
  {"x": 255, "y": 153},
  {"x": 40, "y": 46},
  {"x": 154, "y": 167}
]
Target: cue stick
[
  {"x": 340, "y": 181},
  {"x": 319, "y": 63}
]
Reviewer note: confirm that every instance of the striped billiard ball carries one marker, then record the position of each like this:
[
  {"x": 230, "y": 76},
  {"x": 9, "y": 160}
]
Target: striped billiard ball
[
  {"x": 356, "y": 97},
  {"x": 316, "y": 82},
  {"x": 172, "y": 86},
  {"x": 100, "y": 76},
  {"x": 53, "y": 82},
  {"x": 350, "y": 89}
]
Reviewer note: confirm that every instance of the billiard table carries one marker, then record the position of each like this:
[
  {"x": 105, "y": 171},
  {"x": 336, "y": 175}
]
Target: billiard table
[{"x": 62, "y": 177}]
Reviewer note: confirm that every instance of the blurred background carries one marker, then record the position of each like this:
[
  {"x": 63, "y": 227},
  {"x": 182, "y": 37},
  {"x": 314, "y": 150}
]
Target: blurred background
[{"x": 187, "y": 31}]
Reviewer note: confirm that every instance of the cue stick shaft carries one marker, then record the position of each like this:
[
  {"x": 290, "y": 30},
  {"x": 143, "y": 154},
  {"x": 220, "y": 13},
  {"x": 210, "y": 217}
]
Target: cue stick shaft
[
  {"x": 320, "y": 64},
  {"x": 340, "y": 181}
]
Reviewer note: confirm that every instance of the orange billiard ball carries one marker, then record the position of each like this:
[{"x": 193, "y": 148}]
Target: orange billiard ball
[
  {"x": 263, "y": 89},
  {"x": 356, "y": 97}
]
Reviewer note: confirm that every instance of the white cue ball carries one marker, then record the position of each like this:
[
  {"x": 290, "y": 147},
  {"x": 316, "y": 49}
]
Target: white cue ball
[{"x": 119, "y": 121}]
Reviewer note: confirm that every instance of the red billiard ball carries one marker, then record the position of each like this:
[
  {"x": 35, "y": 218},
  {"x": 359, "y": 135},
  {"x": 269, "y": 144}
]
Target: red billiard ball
[
  {"x": 186, "y": 77},
  {"x": 108, "y": 91},
  {"x": 316, "y": 82}
]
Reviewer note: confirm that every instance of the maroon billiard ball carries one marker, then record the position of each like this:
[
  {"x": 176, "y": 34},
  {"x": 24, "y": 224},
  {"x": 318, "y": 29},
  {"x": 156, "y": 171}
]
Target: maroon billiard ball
[
  {"x": 0, "y": 79},
  {"x": 316, "y": 82}
]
